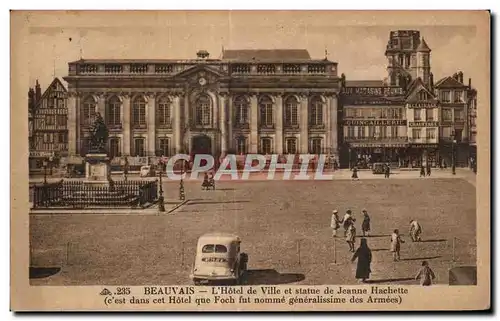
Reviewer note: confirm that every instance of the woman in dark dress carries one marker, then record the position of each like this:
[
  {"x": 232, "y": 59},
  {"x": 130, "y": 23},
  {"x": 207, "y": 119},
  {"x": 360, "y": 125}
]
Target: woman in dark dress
[
  {"x": 365, "y": 225},
  {"x": 364, "y": 256},
  {"x": 355, "y": 173}
]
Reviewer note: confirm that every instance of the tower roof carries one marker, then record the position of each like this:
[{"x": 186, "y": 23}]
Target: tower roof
[{"x": 423, "y": 47}]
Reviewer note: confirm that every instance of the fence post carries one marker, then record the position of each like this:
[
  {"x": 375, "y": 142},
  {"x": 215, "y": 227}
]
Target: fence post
[
  {"x": 298, "y": 250},
  {"x": 335, "y": 250}
]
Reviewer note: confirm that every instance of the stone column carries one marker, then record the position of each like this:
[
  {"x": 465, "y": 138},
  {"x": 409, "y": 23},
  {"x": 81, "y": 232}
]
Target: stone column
[
  {"x": 177, "y": 123},
  {"x": 72, "y": 124},
  {"x": 126, "y": 125},
  {"x": 326, "y": 111},
  {"x": 230, "y": 116},
  {"x": 151, "y": 119},
  {"x": 279, "y": 124},
  {"x": 333, "y": 129},
  {"x": 254, "y": 126},
  {"x": 222, "y": 123},
  {"x": 304, "y": 125}
]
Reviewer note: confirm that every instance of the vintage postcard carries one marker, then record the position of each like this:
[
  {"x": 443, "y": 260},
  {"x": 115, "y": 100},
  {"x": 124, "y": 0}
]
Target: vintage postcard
[{"x": 250, "y": 160}]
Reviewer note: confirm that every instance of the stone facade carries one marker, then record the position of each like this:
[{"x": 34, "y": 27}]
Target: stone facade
[{"x": 250, "y": 101}]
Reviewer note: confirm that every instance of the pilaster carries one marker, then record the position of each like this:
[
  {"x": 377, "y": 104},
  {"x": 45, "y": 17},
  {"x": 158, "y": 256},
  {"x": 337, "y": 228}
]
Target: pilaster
[
  {"x": 151, "y": 119},
  {"x": 334, "y": 123},
  {"x": 254, "y": 119},
  {"x": 126, "y": 124},
  {"x": 279, "y": 124},
  {"x": 177, "y": 123},
  {"x": 72, "y": 124},
  {"x": 304, "y": 126}
]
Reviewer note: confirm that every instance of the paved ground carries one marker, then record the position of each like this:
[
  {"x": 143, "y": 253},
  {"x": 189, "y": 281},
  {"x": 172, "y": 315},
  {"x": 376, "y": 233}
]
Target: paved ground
[{"x": 284, "y": 227}]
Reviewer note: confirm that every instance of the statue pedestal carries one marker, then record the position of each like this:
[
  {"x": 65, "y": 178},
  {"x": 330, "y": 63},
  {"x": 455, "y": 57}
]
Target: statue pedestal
[{"x": 97, "y": 169}]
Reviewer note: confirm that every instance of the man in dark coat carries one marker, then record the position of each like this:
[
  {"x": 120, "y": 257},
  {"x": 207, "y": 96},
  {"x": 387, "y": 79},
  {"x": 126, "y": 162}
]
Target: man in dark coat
[
  {"x": 364, "y": 256},
  {"x": 422, "y": 171}
]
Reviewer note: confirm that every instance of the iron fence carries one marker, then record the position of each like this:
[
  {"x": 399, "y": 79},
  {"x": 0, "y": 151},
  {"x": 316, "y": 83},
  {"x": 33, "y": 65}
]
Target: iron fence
[{"x": 78, "y": 194}]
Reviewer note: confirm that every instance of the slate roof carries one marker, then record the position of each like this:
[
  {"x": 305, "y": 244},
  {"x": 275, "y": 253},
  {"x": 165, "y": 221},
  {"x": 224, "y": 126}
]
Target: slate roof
[
  {"x": 364, "y": 83},
  {"x": 423, "y": 47},
  {"x": 448, "y": 82},
  {"x": 266, "y": 54}
]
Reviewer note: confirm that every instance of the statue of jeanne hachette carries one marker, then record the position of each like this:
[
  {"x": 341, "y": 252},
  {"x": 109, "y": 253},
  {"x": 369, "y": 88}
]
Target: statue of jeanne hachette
[{"x": 98, "y": 135}]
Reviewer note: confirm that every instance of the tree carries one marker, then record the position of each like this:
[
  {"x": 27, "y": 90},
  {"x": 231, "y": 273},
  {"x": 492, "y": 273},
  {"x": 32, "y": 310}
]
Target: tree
[{"x": 98, "y": 135}]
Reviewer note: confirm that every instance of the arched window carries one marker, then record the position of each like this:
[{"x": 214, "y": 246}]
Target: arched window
[
  {"x": 203, "y": 111},
  {"x": 163, "y": 112},
  {"x": 241, "y": 111},
  {"x": 139, "y": 111},
  {"x": 88, "y": 111},
  {"x": 113, "y": 111},
  {"x": 266, "y": 112},
  {"x": 316, "y": 112},
  {"x": 291, "y": 111}
]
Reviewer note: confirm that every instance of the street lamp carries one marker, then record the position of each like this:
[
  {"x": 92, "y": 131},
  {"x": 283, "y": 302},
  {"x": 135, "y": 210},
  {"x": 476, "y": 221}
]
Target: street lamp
[
  {"x": 45, "y": 163},
  {"x": 453, "y": 152},
  {"x": 161, "y": 199}
]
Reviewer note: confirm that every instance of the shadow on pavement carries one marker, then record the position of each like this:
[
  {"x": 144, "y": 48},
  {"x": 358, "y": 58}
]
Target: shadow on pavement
[
  {"x": 376, "y": 250},
  {"x": 271, "y": 276},
  {"x": 431, "y": 241},
  {"x": 43, "y": 272},
  {"x": 421, "y": 258},
  {"x": 389, "y": 280},
  {"x": 215, "y": 202},
  {"x": 224, "y": 189}
]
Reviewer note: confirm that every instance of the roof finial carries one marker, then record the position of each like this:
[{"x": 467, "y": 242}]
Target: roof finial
[{"x": 326, "y": 53}]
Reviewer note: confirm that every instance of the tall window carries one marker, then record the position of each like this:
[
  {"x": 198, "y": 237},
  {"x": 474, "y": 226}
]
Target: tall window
[
  {"x": 291, "y": 111},
  {"x": 139, "y": 111},
  {"x": 350, "y": 131},
  {"x": 431, "y": 133},
  {"x": 383, "y": 113},
  {"x": 395, "y": 113},
  {"x": 291, "y": 146},
  {"x": 203, "y": 111},
  {"x": 429, "y": 114},
  {"x": 113, "y": 115},
  {"x": 163, "y": 147},
  {"x": 445, "y": 96},
  {"x": 241, "y": 145},
  {"x": 371, "y": 131},
  {"x": 241, "y": 111},
  {"x": 88, "y": 111},
  {"x": 457, "y": 96},
  {"x": 163, "y": 115},
  {"x": 446, "y": 113},
  {"x": 139, "y": 149},
  {"x": 417, "y": 114},
  {"x": 315, "y": 147},
  {"x": 459, "y": 115},
  {"x": 394, "y": 131},
  {"x": 361, "y": 131},
  {"x": 316, "y": 112},
  {"x": 266, "y": 112},
  {"x": 417, "y": 132},
  {"x": 422, "y": 95},
  {"x": 383, "y": 131},
  {"x": 265, "y": 144},
  {"x": 114, "y": 147}
]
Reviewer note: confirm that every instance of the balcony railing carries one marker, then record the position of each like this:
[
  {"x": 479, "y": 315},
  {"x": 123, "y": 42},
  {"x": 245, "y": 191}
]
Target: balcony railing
[
  {"x": 242, "y": 126},
  {"x": 266, "y": 126},
  {"x": 166, "y": 125},
  {"x": 377, "y": 139}
]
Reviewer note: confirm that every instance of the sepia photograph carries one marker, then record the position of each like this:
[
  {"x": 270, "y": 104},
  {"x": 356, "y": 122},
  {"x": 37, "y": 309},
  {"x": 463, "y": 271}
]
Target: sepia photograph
[{"x": 190, "y": 157}]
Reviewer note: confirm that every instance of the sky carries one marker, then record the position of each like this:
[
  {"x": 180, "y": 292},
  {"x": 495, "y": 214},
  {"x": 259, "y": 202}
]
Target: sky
[{"x": 357, "y": 45}]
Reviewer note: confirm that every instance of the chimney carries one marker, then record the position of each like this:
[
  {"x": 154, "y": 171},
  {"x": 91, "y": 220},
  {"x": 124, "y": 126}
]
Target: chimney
[
  {"x": 470, "y": 83},
  {"x": 461, "y": 77},
  {"x": 38, "y": 92}
]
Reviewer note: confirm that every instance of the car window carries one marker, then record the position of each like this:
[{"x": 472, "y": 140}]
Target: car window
[{"x": 214, "y": 248}]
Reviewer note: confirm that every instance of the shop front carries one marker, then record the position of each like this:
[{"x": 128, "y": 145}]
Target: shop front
[
  {"x": 364, "y": 155},
  {"x": 418, "y": 155}
]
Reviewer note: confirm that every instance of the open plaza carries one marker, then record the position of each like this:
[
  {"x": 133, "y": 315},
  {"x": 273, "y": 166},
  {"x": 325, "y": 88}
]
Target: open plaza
[{"x": 284, "y": 227}]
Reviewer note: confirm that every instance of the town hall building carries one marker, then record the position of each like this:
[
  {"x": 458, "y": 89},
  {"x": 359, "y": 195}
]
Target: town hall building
[{"x": 249, "y": 101}]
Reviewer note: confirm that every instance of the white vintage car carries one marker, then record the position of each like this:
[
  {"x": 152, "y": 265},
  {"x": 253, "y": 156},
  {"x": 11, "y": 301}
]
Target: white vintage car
[{"x": 219, "y": 259}]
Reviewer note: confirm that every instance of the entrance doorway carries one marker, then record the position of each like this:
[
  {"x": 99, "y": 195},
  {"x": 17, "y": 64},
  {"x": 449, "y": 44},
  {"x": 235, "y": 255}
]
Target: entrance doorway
[{"x": 201, "y": 144}]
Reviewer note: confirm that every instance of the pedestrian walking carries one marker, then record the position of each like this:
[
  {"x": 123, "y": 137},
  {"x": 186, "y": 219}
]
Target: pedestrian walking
[
  {"x": 355, "y": 173},
  {"x": 364, "y": 256},
  {"x": 365, "y": 225},
  {"x": 422, "y": 171},
  {"x": 428, "y": 169},
  {"x": 415, "y": 231},
  {"x": 425, "y": 274},
  {"x": 387, "y": 171},
  {"x": 396, "y": 245},
  {"x": 335, "y": 223},
  {"x": 347, "y": 220},
  {"x": 351, "y": 237}
]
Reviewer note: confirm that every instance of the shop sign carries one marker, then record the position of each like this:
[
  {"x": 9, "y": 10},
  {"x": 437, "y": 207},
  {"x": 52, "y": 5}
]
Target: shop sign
[
  {"x": 424, "y": 145},
  {"x": 422, "y": 105},
  {"x": 379, "y": 102},
  {"x": 378, "y": 122},
  {"x": 36, "y": 154},
  {"x": 377, "y": 145},
  {"x": 373, "y": 91},
  {"x": 423, "y": 124}
]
